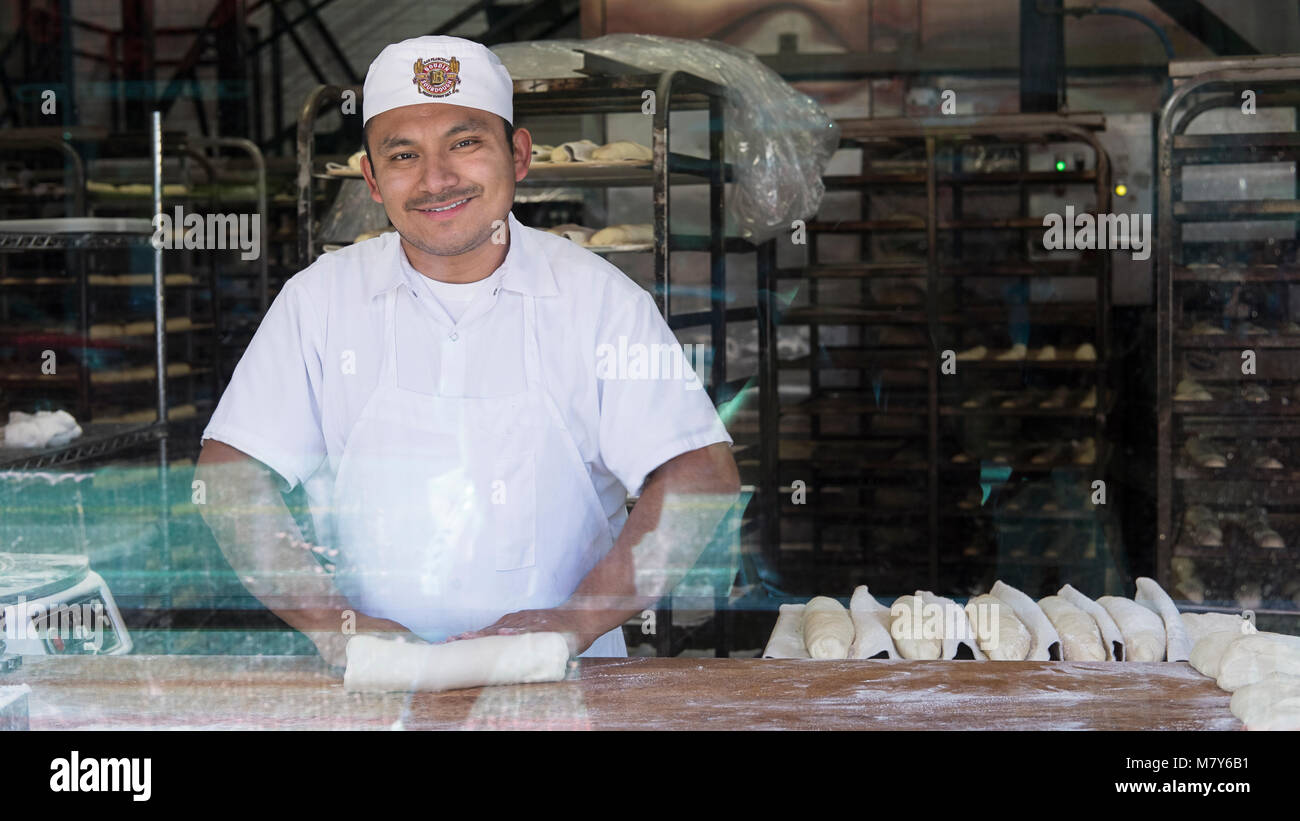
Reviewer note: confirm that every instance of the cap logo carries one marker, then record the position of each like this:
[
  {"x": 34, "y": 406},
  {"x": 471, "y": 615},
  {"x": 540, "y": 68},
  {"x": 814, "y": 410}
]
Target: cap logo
[{"x": 437, "y": 76}]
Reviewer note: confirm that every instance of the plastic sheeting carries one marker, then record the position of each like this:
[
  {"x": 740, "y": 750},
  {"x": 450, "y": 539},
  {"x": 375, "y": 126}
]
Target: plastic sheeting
[{"x": 778, "y": 139}]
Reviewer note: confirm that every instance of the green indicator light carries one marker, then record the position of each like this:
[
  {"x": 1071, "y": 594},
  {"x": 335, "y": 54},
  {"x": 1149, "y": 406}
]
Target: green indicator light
[{"x": 1060, "y": 165}]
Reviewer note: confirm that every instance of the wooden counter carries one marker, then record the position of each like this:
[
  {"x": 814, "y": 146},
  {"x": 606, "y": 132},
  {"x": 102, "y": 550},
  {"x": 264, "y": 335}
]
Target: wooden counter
[{"x": 298, "y": 692}]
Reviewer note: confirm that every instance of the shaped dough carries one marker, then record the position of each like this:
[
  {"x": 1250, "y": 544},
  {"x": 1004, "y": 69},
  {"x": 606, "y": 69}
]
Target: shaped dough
[
  {"x": 1045, "y": 644},
  {"x": 574, "y": 151},
  {"x": 1007, "y": 638},
  {"x": 623, "y": 235},
  {"x": 1143, "y": 630},
  {"x": 1273, "y": 703},
  {"x": 622, "y": 150},
  {"x": 911, "y": 642},
  {"x": 827, "y": 629},
  {"x": 1208, "y": 652},
  {"x": 786, "y": 641},
  {"x": 1080, "y": 636},
  {"x": 1110, "y": 634},
  {"x": 1200, "y": 625},
  {"x": 1178, "y": 647},
  {"x": 377, "y": 665},
  {"x": 871, "y": 622},
  {"x": 1254, "y": 657}
]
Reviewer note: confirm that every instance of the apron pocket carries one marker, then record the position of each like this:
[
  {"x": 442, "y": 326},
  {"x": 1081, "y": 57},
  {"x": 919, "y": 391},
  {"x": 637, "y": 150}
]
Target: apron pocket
[{"x": 512, "y": 511}]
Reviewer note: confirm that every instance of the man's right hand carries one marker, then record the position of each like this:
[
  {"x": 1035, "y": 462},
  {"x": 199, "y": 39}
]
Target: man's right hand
[{"x": 332, "y": 644}]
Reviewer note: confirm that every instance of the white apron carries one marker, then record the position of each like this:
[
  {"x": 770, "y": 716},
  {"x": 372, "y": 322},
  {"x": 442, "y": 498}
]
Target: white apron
[{"x": 452, "y": 511}]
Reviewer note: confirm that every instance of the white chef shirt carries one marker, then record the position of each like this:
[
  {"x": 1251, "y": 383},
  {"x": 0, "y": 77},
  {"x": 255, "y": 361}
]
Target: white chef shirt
[
  {"x": 315, "y": 360},
  {"x": 452, "y": 297}
]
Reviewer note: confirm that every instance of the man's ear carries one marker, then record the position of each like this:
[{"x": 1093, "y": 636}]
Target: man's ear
[
  {"x": 368, "y": 171},
  {"x": 522, "y": 142}
]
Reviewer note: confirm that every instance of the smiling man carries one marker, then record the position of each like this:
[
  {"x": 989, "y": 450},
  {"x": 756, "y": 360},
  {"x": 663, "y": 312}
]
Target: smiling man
[{"x": 436, "y": 390}]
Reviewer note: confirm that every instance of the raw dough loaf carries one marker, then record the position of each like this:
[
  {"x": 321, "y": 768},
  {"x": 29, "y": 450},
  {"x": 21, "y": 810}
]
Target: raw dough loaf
[
  {"x": 1252, "y": 658},
  {"x": 827, "y": 629},
  {"x": 871, "y": 622},
  {"x": 959, "y": 640},
  {"x": 1200, "y": 625},
  {"x": 902, "y": 629},
  {"x": 1080, "y": 636},
  {"x": 378, "y": 665},
  {"x": 1207, "y": 652},
  {"x": 1012, "y": 640},
  {"x": 622, "y": 150},
  {"x": 575, "y": 151},
  {"x": 623, "y": 235},
  {"x": 1045, "y": 644},
  {"x": 1143, "y": 630},
  {"x": 1110, "y": 633},
  {"x": 786, "y": 641},
  {"x": 573, "y": 232},
  {"x": 1178, "y": 647},
  {"x": 1273, "y": 703}
]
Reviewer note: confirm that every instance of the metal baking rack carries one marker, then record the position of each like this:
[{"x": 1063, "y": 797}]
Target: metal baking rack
[
  {"x": 873, "y": 438},
  {"x": 1227, "y": 272}
]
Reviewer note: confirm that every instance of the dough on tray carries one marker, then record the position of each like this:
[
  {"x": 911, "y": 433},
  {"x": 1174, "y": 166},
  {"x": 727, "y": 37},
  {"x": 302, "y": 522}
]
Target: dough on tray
[
  {"x": 827, "y": 629},
  {"x": 1143, "y": 630},
  {"x": 623, "y": 235},
  {"x": 1080, "y": 637},
  {"x": 380, "y": 665},
  {"x": 622, "y": 150},
  {"x": 1011, "y": 641}
]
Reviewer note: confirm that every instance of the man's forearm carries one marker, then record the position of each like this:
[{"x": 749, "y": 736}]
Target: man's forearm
[
  {"x": 677, "y": 513},
  {"x": 261, "y": 540}
]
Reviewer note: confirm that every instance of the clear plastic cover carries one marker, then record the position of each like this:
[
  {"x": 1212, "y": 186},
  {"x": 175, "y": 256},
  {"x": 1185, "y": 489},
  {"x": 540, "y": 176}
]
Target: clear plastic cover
[{"x": 778, "y": 139}]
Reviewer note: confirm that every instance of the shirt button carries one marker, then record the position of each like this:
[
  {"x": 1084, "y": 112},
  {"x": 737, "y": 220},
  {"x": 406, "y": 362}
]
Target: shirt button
[{"x": 453, "y": 336}]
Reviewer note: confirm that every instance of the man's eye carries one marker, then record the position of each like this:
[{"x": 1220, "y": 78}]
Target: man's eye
[
  {"x": 403, "y": 154},
  {"x": 462, "y": 142}
]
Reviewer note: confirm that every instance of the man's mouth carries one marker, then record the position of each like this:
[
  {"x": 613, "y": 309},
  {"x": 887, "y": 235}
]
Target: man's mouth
[{"x": 446, "y": 208}]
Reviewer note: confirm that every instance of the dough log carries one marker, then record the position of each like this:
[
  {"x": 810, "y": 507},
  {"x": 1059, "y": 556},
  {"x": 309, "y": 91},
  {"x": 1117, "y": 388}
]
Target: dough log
[
  {"x": 378, "y": 665},
  {"x": 827, "y": 629},
  {"x": 1143, "y": 630},
  {"x": 1080, "y": 636},
  {"x": 908, "y": 630},
  {"x": 1011, "y": 641}
]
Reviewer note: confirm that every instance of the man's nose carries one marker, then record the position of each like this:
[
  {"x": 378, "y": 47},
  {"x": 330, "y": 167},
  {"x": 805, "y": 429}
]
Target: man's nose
[{"x": 440, "y": 174}]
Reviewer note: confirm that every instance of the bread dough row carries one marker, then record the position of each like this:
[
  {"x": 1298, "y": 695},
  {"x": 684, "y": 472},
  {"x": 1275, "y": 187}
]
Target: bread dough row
[
  {"x": 1261, "y": 670},
  {"x": 1002, "y": 625},
  {"x": 623, "y": 234},
  {"x": 586, "y": 151}
]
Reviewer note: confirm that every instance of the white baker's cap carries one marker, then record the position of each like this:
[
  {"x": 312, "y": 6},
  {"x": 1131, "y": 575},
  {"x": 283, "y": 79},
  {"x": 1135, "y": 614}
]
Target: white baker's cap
[{"x": 438, "y": 70}]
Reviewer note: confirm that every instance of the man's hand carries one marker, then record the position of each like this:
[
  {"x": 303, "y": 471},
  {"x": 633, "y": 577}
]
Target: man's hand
[
  {"x": 537, "y": 621},
  {"x": 332, "y": 644}
]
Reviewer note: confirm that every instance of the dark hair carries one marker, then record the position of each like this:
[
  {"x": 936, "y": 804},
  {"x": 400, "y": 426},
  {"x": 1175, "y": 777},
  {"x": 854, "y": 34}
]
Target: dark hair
[{"x": 365, "y": 137}]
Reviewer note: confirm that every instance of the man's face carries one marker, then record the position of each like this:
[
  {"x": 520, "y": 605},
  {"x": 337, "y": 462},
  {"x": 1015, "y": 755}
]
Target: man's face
[{"x": 430, "y": 156}]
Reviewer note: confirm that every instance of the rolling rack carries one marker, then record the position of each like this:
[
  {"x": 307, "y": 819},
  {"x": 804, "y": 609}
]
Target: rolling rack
[
  {"x": 889, "y": 414},
  {"x": 1228, "y": 507},
  {"x": 612, "y": 87},
  {"x": 98, "y": 440}
]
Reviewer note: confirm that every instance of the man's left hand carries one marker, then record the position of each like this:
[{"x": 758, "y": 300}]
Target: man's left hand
[{"x": 535, "y": 621}]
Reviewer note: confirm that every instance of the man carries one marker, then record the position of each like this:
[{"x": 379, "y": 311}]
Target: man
[{"x": 438, "y": 390}]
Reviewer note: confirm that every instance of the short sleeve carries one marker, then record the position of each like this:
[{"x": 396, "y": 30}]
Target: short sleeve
[
  {"x": 271, "y": 408},
  {"x": 653, "y": 406}
]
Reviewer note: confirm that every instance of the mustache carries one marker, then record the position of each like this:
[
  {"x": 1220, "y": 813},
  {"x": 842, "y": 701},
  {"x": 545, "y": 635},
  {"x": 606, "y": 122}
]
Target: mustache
[{"x": 427, "y": 202}]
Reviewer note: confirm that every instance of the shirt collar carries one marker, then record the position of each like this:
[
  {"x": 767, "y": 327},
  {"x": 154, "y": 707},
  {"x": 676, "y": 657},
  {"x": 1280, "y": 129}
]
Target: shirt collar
[{"x": 527, "y": 269}]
